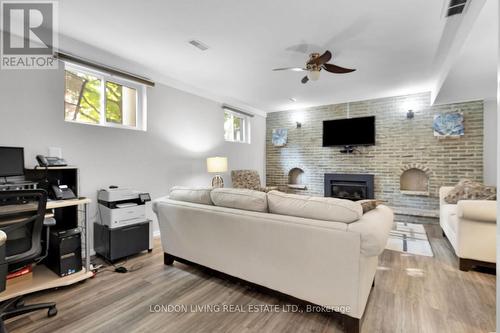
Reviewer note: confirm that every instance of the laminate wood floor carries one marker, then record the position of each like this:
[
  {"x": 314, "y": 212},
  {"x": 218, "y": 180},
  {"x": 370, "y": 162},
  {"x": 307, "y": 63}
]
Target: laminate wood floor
[{"x": 412, "y": 294}]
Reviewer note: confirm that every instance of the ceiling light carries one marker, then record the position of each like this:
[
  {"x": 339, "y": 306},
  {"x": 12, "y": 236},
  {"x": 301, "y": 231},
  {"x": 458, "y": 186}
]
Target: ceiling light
[
  {"x": 313, "y": 75},
  {"x": 199, "y": 45},
  {"x": 293, "y": 99}
]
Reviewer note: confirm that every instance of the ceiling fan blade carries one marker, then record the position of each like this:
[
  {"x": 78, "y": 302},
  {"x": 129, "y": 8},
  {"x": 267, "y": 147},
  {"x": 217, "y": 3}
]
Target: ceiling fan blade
[
  {"x": 304, "y": 79},
  {"x": 295, "y": 69},
  {"x": 322, "y": 59},
  {"x": 337, "y": 69}
]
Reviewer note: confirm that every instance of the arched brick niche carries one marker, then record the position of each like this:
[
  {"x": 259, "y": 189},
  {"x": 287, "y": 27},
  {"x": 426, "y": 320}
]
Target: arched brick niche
[
  {"x": 296, "y": 179},
  {"x": 414, "y": 179}
]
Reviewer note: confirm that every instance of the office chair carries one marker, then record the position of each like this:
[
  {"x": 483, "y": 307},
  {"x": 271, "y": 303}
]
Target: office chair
[{"x": 22, "y": 215}]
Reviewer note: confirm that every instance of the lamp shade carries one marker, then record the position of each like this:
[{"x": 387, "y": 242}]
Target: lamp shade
[{"x": 217, "y": 164}]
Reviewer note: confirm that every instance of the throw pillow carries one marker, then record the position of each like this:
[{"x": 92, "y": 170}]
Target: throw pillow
[
  {"x": 468, "y": 189},
  {"x": 369, "y": 204}
]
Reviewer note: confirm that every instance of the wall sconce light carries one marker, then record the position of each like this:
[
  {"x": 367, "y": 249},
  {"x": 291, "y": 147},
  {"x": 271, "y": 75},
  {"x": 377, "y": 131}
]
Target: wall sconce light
[
  {"x": 298, "y": 118},
  {"x": 410, "y": 114}
]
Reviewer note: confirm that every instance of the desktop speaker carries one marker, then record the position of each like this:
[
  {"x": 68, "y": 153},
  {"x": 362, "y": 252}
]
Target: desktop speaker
[{"x": 65, "y": 251}]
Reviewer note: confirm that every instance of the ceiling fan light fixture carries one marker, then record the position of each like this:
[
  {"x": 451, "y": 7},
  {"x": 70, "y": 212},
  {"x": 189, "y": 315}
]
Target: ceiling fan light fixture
[
  {"x": 318, "y": 62},
  {"x": 313, "y": 75}
]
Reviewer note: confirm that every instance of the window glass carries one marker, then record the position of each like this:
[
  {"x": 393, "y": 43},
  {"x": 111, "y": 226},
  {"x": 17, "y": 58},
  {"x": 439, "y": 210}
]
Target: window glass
[
  {"x": 121, "y": 104},
  {"x": 237, "y": 129},
  {"x": 82, "y": 98},
  {"x": 228, "y": 126}
]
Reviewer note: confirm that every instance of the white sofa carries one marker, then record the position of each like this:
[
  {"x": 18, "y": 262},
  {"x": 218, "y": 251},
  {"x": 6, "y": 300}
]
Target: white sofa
[
  {"x": 470, "y": 226},
  {"x": 328, "y": 263}
]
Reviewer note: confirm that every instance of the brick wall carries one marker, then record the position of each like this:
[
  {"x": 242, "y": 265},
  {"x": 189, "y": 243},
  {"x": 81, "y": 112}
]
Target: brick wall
[{"x": 399, "y": 142}]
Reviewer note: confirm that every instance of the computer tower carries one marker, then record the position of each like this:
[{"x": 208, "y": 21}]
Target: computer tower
[{"x": 65, "y": 251}]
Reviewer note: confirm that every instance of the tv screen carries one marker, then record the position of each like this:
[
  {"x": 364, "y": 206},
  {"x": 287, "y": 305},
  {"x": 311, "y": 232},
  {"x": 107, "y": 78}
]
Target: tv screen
[
  {"x": 349, "y": 132},
  {"x": 11, "y": 161}
]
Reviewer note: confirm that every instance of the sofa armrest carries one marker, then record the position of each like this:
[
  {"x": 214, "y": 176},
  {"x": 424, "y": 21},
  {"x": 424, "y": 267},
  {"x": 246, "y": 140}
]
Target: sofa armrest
[
  {"x": 476, "y": 230},
  {"x": 477, "y": 210},
  {"x": 443, "y": 192},
  {"x": 374, "y": 228}
]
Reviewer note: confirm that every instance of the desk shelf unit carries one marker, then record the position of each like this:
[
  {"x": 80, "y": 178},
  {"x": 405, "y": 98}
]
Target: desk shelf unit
[{"x": 69, "y": 214}]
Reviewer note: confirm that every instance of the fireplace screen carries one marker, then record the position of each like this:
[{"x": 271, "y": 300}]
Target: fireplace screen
[
  {"x": 349, "y": 186},
  {"x": 349, "y": 191}
]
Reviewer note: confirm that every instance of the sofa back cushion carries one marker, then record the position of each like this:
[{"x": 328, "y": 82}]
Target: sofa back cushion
[
  {"x": 240, "y": 199},
  {"x": 327, "y": 209},
  {"x": 199, "y": 195}
]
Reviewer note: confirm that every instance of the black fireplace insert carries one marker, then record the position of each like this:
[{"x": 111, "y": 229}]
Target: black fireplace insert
[{"x": 349, "y": 186}]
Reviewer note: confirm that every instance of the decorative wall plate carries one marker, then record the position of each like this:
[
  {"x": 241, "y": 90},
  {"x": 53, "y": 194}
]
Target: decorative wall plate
[
  {"x": 280, "y": 136},
  {"x": 450, "y": 124}
]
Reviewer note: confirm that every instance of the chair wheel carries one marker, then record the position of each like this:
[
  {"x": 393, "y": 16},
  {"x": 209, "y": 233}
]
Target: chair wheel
[{"x": 52, "y": 311}]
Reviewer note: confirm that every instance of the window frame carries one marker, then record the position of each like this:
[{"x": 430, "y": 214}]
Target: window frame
[
  {"x": 141, "y": 100},
  {"x": 245, "y": 127}
]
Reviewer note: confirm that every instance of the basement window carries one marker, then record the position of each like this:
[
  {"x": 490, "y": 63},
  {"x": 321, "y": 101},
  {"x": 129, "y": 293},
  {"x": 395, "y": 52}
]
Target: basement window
[
  {"x": 236, "y": 127},
  {"x": 97, "y": 98}
]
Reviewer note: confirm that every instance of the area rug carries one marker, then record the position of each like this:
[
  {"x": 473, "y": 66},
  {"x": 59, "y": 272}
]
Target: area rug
[{"x": 409, "y": 238}]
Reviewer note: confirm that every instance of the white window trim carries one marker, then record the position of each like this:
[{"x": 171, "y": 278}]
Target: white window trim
[
  {"x": 141, "y": 106},
  {"x": 245, "y": 128}
]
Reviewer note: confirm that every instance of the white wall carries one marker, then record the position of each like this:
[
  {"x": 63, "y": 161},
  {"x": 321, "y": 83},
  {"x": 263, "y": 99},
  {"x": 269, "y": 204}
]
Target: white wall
[
  {"x": 183, "y": 129},
  {"x": 490, "y": 142}
]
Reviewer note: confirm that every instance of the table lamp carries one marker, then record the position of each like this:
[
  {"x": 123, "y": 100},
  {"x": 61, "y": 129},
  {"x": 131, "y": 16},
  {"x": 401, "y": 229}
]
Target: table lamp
[{"x": 217, "y": 165}]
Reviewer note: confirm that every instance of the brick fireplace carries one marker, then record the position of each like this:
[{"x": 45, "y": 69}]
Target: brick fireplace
[{"x": 408, "y": 162}]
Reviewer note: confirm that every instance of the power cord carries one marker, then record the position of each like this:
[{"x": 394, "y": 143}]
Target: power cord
[{"x": 118, "y": 268}]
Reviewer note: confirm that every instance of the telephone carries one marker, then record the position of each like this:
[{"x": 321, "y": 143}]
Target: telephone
[
  {"x": 62, "y": 192},
  {"x": 47, "y": 161}
]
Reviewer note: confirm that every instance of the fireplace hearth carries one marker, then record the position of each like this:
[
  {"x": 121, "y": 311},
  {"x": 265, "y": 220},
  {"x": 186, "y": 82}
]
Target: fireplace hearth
[{"x": 349, "y": 186}]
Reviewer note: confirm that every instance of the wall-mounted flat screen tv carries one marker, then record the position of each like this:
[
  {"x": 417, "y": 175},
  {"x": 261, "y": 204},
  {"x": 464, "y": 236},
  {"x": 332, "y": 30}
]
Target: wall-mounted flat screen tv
[{"x": 349, "y": 132}]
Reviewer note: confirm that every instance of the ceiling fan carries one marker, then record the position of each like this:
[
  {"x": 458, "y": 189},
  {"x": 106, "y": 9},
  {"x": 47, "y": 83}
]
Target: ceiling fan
[{"x": 315, "y": 64}]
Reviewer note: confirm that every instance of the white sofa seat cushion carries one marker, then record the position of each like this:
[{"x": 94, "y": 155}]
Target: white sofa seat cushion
[
  {"x": 199, "y": 195},
  {"x": 326, "y": 209},
  {"x": 238, "y": 198}
]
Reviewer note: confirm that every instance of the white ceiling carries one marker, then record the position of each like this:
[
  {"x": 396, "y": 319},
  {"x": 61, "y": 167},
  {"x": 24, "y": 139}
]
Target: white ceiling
[
  {"x": 473, "y": 75},
  {"x": 392, "y": 43}
]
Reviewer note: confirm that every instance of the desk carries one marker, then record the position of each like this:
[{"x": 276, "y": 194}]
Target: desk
[
  {"x": 42, "y": 277},
  {"x": 51, "y": 204}
]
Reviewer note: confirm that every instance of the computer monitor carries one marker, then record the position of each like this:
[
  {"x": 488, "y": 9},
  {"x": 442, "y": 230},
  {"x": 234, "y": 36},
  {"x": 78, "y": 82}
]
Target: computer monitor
[{"x": 11, "y": 161}]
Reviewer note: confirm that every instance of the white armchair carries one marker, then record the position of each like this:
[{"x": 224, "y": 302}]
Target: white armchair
[{"x": 470, "y": 226}]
